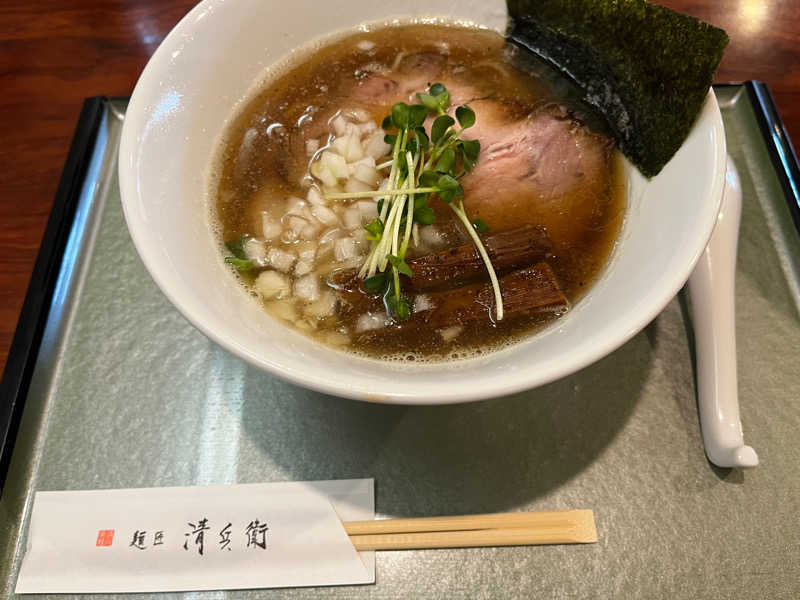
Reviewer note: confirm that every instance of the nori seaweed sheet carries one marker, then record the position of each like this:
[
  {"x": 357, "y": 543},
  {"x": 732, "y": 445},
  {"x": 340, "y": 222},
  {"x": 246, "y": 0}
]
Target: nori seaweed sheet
[{"x": 645, "y": 67}]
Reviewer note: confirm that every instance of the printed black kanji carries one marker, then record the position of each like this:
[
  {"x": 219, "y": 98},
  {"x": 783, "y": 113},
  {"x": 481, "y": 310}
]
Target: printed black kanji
[
  {"x": 256, "y": 533},
  {"x": 198, "y": 531}
]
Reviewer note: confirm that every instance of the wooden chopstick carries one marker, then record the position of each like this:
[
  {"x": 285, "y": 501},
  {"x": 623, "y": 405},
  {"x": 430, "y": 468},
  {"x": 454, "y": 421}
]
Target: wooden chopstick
[{"x": 504, "y": 529}]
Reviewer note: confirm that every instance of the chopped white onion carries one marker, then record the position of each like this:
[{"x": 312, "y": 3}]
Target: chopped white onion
[
  {"x": 367, "y": 127},
  {"x": 367, "y": 160},
  {"x": 422, "y": 303},
  {"x": 329, "y": 236},
  {"x": 314, "y": 197},
  {"x": 431, "y": 236},
  {"x": 256, "y": 251},
  {"x": 321, "y": 171},
  {"x": 450, "y": 333},
  {"x": 295, "y": 205},
  {"x": 307, "y": 288},
  {"x": 325, "y": 306},
  {"x": 354, "y": 186},
  {"x": 339, "y": 125},
  {"x": 368, "y": 175},
  {"x": 281, "y": 259},
  {"x": 337, "y": 338},
  {"x": 288, "y": 236},
  {"x": 351, "y": 217},
  {"x": 365, "y": 45},
  {"x": 353, "y": 129},
  {"x": 295, "y": 223},
  {"x": 368, "y": 209},
  {"x": 309, "y": 232},
  {"x": 311, "y": 147},
  {"x": 303, "y": 267},
  {"x": 283, "y": 309},
  {"x": 272, "y": 285},
  {"x": 339, "y": 145},
  {"x": 369, "y": 322},
  {"x": 270, "y": 228},
  {"x": 325, "y": 215},
  {"x": 345, "y": 249},
  {"x": 335, "y": 163},
  {"x": 353, "y": 150},
  {"x": 375, "y": 146},
  {"x": 306, "y": 250}
]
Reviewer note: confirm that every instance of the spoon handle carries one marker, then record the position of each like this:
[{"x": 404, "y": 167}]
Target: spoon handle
[{"x": 711, "y": 290}]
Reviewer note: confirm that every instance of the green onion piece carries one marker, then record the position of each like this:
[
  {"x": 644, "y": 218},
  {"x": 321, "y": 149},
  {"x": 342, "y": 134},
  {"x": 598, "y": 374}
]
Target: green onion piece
[{"x": 240, "y": 264}]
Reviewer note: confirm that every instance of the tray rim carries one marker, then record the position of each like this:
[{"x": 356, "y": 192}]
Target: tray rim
[{"x": 24, "y": 351}]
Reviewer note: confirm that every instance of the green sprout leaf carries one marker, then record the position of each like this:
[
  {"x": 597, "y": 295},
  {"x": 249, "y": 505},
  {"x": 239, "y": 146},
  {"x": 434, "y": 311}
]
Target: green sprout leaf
[
  {"x": 428, "y": 101},
  {"x": 428, "y": 178},
  {"x": 449, "y": 188},
  {"x": 376, "y": 284},
  {"x": 465, "y": 116},
  {"x": 240, "y": 264},
  {"x": 448, "y": 183},
  {"x": 446, "y": 161},
  {"x": 389, "y": 139},
  {"x": 400, "y": 114},
  {"x": 398, "y": 307},
  {"x": 424, "y": 215},
  {"x": 471, "y": 149},
  {"x": 440, "y": 127},
  {"x": 375, "y": 230},
  {"x": 387, "y": 123},
  {"x": 402, "y": 309},
  {"x": 480, "y": 226},
  {"x": 401, "y": 265},
  {"x": 417, "y": 114},
  {"x": 469, "y": 153},
  {"x": 437, "y": 89},
  {"x": 402, "y": 168},
  {"x": 441, "y": 95},
  {"x": 422, "y": 138}
]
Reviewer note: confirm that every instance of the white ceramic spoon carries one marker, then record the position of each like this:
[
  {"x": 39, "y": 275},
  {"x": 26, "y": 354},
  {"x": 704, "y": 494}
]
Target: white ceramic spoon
[{"x": 711, "y": 288}]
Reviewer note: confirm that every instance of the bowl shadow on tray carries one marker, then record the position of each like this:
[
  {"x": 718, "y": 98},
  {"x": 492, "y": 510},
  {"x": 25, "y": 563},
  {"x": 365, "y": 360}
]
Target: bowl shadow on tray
[{"x": 465, "y": 458}]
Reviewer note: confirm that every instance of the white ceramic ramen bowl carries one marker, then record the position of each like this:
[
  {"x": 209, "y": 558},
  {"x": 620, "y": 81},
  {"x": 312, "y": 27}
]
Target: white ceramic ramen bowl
[{"x": 191, "y": 88}]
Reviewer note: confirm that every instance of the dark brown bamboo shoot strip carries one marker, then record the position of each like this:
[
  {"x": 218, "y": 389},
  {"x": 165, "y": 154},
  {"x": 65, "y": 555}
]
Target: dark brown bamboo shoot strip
[
  {"x": 507, "y": 250},
  {"x": 524, "y": 292}
]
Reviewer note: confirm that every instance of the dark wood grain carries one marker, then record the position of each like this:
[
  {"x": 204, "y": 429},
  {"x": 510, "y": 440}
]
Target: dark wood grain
[{"x": 53, "y": 54}]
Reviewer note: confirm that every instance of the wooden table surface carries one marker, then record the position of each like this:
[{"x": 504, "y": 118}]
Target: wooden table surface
[{"x": 53, "y": 54}]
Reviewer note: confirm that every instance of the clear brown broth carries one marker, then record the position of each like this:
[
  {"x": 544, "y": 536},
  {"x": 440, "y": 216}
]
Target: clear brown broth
[{"x": 269, "y": 170}]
